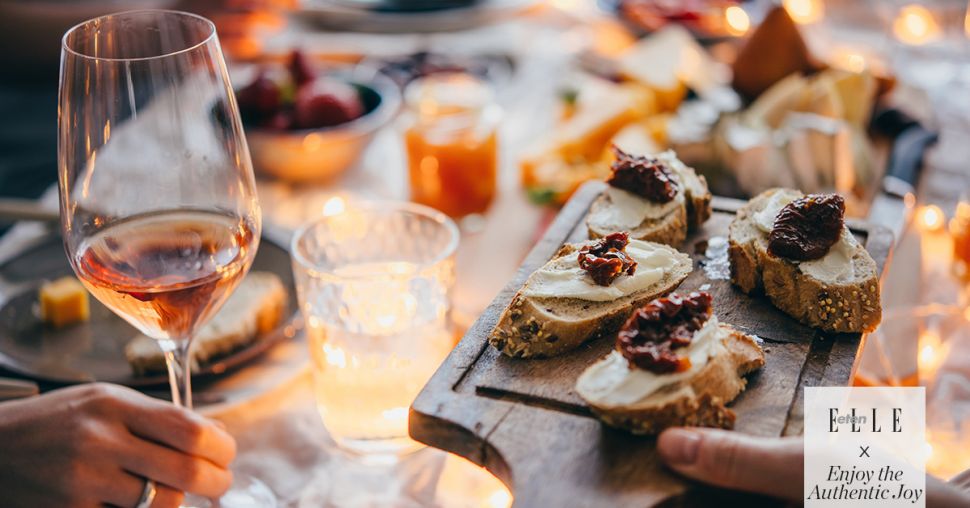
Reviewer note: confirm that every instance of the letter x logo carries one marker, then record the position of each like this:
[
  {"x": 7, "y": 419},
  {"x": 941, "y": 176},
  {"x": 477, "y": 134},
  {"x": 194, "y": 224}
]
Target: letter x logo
[{"x": 865, "y": 451}]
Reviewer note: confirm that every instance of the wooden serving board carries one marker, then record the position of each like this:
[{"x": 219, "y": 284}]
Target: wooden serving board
[{"x": 523, "y": 421}]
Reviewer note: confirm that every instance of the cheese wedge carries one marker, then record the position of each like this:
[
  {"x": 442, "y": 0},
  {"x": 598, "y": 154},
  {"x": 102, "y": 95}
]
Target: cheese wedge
[
  {"x": 774, "y": 50},
  {"x": 63, "y": 302},
  {"x": 857, "y": 91},
  {"x": 668, "y": 62}
]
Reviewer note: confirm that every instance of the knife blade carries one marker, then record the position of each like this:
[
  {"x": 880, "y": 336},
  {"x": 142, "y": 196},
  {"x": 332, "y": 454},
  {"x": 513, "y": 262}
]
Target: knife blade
[
  {"x": 15, "y": 209},
  {"x": 905, "y": 162}
]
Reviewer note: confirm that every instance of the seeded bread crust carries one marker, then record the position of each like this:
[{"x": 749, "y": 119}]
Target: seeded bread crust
[
  {"x": 697, "y": 402},
  {"x": 850, "y": 307},
  {"x": 671, "y": 229},
  {"x": 542, "y": 327}
]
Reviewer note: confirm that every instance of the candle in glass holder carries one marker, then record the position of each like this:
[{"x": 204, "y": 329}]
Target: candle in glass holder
[{"x": 451, "y": 142}]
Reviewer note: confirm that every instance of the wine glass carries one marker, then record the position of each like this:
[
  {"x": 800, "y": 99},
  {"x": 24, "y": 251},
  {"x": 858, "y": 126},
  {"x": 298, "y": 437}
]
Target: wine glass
[{"x": 158, "y": 203}]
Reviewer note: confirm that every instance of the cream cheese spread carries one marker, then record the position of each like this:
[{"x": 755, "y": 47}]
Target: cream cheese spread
[
  {"x": 612, "y": 382},
  {"x": 628, "y": 210},
  {"x": 765, "y": 218},
  {"x": 564, "y": 278},
  {"x": 836, "y": 265}
]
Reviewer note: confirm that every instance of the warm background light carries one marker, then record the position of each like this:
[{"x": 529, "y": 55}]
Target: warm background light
[
  {"x": 929, "y": 218},
  {"x": 805, "y": 11},
  {"x": 966, "y": 22},
  {"x": 849, "y": 60},
  {"x": 500, "y": 499},
  {"x": 947, "y": 455},
  {"x": 334, "y": 206},
  {"x": 915, "y": 25},
  {"x": 463, "y": 484},
  {"x": 932, "y": 353},
  {"x": 737, "y": 20}
]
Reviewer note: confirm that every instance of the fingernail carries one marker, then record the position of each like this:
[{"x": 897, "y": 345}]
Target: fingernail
[
  {"x": 679, "y": 446},
  {"x": 219, "y": 424}
]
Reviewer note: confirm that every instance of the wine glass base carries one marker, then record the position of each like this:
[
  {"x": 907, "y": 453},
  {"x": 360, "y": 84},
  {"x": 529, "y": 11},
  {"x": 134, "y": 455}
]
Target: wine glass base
[{"x": 246, "y": 492}]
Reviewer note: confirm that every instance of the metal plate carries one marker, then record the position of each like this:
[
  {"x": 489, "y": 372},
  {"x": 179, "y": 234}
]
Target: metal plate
[{"x": 95, "y": 350}]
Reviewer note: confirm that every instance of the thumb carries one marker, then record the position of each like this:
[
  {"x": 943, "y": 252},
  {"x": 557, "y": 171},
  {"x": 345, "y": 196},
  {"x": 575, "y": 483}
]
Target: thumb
[{"x": 736, "y": 461}]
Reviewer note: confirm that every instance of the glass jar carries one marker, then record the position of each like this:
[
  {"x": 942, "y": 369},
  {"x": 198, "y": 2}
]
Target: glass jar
[{"x": 451, "y": 142}]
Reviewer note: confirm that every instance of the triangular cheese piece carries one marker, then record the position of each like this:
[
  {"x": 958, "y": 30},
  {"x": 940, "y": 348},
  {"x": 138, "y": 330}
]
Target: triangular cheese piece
[{"x": 775, "y": 50}]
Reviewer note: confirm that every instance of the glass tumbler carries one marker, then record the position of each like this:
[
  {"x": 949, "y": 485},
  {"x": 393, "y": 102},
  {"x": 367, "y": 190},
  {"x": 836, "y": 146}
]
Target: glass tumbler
[{"x": 375, "y": 283}]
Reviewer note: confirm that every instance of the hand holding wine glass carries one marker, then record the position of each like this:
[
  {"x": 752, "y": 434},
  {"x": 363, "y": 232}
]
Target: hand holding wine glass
[
  {"x": 158, "y": 204},
  {"x": 100, "y": 441}
]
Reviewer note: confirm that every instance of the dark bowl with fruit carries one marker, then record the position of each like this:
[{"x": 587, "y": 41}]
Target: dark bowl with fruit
[{"x": 310, "y": 125}]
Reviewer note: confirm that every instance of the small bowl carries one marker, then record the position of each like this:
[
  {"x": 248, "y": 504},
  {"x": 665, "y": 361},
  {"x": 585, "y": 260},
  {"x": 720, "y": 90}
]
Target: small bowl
[{"x": 322, "y": 154}]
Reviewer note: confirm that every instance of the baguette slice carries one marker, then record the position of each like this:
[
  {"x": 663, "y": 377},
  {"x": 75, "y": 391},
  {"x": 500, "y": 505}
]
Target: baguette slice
[
  {"x": 849, "y": 306},
  {"x": 693, "y": 209},
  {"x": 698, "y": 401},
  {"x": 256, "y": 307},
  {"x": 542, "y": 327}
]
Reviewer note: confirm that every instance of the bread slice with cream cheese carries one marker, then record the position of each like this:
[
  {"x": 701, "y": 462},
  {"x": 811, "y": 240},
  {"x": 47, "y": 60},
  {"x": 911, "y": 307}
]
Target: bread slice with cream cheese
[
  {"x": 256, "y": 307},
  {"x": 646, "y": 403},
  {"x": 560, "y": 307},
  {"x": 668, "y": 223},
  {"x": 836, "y": 293}
]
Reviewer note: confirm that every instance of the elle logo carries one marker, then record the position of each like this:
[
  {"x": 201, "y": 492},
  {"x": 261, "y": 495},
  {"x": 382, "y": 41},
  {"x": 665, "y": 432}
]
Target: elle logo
[{"x": 856, "y": 421}]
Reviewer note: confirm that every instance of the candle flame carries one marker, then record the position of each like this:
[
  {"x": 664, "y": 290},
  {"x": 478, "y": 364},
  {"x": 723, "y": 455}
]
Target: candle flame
[
  {"x": 804, "y": 12},
  {"x": 737, "y": 20},
  {"x": 929, "y": 218},
  {"x": 915, "y": 25},
  {"x": 932, "y": 353}
]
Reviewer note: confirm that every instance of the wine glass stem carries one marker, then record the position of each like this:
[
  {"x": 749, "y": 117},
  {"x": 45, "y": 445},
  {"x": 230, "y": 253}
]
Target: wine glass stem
[{"x": 179, "y": 371}]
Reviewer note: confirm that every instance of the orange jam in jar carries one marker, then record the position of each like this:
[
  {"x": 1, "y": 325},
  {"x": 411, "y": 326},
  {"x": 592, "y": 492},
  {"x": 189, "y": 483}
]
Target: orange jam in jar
[{"x": 451, "y": 142}]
